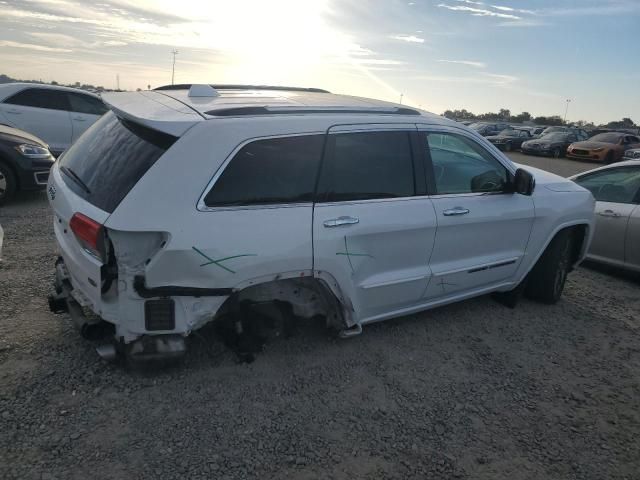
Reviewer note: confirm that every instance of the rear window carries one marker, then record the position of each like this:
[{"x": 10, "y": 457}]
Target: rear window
[
  {"x": 104, "y": 164},
  {"x": 270, "y": 171}
]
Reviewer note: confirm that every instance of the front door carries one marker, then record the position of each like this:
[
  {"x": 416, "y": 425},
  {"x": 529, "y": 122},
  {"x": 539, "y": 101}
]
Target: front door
[
  {"x": 41, "y": 112},
  {"x": 483, "y": 230},
  {"x": 85, "y": 110},
  {"x": 616, "y": 193},
  {"x": 373, "y": 225}
]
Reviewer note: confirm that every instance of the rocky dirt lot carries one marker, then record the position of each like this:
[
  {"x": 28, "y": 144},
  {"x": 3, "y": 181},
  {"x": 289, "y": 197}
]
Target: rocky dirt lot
[{"x": 473, "y": 390}]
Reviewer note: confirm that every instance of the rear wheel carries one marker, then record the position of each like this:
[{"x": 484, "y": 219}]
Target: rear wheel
[
  {"x": 8, "y": 184},
  {"x": 609, "y": 158},
  {"x": 548, "y": 277},
  {"x": 507, "y": 147},
  {"x": 556, "y": 153}
]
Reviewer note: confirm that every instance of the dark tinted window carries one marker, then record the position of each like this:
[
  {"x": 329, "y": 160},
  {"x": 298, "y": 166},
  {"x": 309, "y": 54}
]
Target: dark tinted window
[
  {"x": 618, "y": 185},
  {"x": 110, "y": 158},
  {"x": 40, "y": 98},
  {"x": 276, "y": 170},
  {"x": 462, "y": 166},
  {"x": 85, "y": 104},
  {"x": 361, "y": 166}
]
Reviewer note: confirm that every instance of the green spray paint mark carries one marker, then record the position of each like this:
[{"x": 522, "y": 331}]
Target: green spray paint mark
[
  {"x": 219, "y": 261},
  {"x": 349, "y": 254}
]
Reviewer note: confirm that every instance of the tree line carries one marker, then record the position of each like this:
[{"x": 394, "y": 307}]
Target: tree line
[{"x": 504, "y": 115}]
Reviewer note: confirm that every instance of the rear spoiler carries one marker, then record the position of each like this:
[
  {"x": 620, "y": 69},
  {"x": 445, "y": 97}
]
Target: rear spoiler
[{"x": 153, "y": 110}]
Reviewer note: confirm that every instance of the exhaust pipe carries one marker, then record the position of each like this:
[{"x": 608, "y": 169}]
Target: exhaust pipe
[
  {"x": 107, "y": 352},
  {"x": 58, "y": 303}
]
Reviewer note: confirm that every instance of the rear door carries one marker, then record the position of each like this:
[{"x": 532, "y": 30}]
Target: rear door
[
  {"x": 85, "y": 110},
  {"x": 615, "y": 190},
  {"x": 42, "y": 112},
  {"x": 483, "y": 230},
  {"x": 373, "y": 225}
]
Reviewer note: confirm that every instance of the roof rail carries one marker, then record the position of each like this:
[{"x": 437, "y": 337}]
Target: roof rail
[
  {"x": 187, "y": 86},
  {"x": 256, "y": 111}
]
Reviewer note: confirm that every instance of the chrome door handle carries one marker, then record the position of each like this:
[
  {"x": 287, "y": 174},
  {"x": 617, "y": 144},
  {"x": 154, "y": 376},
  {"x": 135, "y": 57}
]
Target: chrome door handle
[
  {"x": 609, "y": 213},
  {"x": 336, "y": 222},
  {"x": 455, "y": 211}
]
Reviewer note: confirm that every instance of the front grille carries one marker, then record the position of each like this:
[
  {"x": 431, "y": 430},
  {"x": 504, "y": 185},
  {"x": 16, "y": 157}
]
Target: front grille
[
  {"x": 576, "y": 151},
  {"x": 159, "y": 314}
]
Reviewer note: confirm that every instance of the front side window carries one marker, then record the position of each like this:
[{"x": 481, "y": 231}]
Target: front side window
[
  {"x": 270, "y": 171},
  {"x": 367, "y": 165},
  {"x": 80, "y": 103},
  {"x": 462, "y": 166},
  {"x": 619, "y": 185},
  {"x": 40, "y": 98}
]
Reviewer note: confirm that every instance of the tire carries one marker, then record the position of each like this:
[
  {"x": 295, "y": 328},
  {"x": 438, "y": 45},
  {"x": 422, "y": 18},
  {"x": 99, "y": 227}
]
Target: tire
[
  {"x": 8, "y": 184},
  {"x": 609, "y": 158},
  {"x": 556, "y": 153},
  {"x": 547, "y": 278},
  {"x": 507, "y": 147}
]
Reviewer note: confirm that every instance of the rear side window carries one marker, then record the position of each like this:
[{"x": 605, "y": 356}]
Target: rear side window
[
  {"x": 80, "y": 103},
  {"x": 104, "y": 164},
  {"x": 617, "y": 185},
  {"x": 367, "y": 165},
  {"x": 275, "y": 170},
  {"x": 40, "y": 98}
]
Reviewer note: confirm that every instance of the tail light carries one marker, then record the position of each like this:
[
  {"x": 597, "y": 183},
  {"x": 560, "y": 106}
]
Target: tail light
[{"x": 89, "y": 233}]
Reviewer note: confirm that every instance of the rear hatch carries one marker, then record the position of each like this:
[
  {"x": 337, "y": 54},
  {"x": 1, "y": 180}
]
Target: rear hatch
[{"x": 87, "y": 184}]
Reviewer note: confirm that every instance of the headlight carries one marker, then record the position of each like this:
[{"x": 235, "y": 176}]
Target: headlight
[{"x": 33, "y": 151}]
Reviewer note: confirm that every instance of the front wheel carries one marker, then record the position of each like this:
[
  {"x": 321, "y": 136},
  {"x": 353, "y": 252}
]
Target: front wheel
[
  {"x": 556, "y": 153},
  {"x": 507, "y": 147},
  {"x": 609, "y": 158},
  {"x": 549, "y": 275},
  {"x": 8, "y": 184}
]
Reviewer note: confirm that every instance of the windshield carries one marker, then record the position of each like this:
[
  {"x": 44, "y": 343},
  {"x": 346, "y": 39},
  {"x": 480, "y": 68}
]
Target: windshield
[
  {"x": 556, "y": 137},
  {"x": 606, "y": 138}
]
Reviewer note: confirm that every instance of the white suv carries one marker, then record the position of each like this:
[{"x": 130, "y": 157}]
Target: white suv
[
  {"x": 58, "y": 115},
  {"x": 179, "y": 206}
]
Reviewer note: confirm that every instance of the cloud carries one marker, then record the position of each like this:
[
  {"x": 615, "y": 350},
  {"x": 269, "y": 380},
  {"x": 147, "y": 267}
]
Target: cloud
[
  {"x": 466, "y": 62},
  {"x": 491, "y": 79},
  {"x": 408, "y": 38},
  {"x": 32, "y": 46},
  {"x": 478, "y": 12}
]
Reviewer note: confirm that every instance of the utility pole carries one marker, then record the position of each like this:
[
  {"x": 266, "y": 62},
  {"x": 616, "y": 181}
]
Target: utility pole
[
  {"x": 566, "y": 109},
  {"x": 174, "y": 52},
  {"x": 118, "y": 81},
  {"x": 401, "y": 95}
]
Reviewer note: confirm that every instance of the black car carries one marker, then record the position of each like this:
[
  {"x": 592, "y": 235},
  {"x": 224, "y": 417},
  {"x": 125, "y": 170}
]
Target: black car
[
  {"x": 510, "y": 139},
  {"x": 488, "y": 129},
  {"x": 553, "y": 144},
  {"x": 25, "y": 161}
]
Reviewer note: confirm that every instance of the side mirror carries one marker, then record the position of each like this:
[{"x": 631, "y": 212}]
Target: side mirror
[{"x": 523, "y": 182}]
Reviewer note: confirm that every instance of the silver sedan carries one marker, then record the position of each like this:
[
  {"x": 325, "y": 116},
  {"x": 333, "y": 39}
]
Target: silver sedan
[{"x": 616, "y": 189}]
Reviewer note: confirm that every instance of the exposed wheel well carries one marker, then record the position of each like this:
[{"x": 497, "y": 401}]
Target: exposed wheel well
[
  {"x": 578, "y": 236},
  {"x": 307, "y": 296}
]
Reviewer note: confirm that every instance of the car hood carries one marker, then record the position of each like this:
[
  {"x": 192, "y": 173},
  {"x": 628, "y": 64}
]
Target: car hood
[
  {"x": 545, "y": 141},
  {"x": 589, "y": 145},
  {"x": 499, "y": 137},
  {"x": 551, "y": 181},
  {"x": 19, "y": 136}
]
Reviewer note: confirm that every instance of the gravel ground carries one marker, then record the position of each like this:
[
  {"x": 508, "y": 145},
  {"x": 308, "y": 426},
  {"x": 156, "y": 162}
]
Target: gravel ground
[{"x": 473, "y": 390}]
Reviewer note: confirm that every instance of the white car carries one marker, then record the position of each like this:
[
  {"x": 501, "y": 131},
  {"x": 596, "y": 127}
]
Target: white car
[
  {"x": 180, "y": 206},
  {"x": 58, "y": 115}
]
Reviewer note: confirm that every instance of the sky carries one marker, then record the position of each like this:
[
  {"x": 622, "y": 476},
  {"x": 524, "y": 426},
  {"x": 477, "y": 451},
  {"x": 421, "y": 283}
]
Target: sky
[{"x": 523, "y": 55}]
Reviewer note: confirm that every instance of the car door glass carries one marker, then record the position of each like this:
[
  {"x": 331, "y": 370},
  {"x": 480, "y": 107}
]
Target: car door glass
[
  {"x": 269, "y": 171},
  {"x": 40, "y": 98},
  {"x": 462, "y": 166},
  {"x": 367, "y": 165},
  {"x": 619, "y": 185},
  {"x": 85, "y": 104}
]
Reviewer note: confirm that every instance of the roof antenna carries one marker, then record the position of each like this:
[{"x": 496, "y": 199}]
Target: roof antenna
[{"x": 203, "y": 91}]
